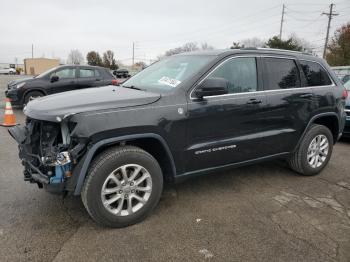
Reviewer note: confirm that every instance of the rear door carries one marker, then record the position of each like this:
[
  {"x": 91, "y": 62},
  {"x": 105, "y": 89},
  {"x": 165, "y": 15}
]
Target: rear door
[
  {"x": 287, "y": 103},
  {"x": 227, "y": 128},
  {"x": 89, "y": 77},
  {"x": 67, "y": 80}
]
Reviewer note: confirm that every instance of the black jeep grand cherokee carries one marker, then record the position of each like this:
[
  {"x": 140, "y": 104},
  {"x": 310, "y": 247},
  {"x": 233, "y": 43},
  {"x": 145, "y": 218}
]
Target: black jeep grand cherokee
[{"x": 187, "y": 114}]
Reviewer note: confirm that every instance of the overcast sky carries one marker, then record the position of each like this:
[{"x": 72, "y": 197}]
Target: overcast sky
[{"x": 56, "y": 27}]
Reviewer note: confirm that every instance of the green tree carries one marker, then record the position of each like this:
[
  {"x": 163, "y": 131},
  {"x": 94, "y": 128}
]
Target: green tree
[
  {"x": 289, "y": 44},
  {"x": 109, "y": 60},
  {"x": 338, "y": 53},
  {"x": 94, "y": 58}
]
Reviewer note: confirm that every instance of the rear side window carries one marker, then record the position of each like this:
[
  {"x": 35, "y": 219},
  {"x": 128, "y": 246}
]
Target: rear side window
[
  {"x": 87, "y": 73},
  {"x": 280, "y": 73},
  {"x": 315, "y": 74}
]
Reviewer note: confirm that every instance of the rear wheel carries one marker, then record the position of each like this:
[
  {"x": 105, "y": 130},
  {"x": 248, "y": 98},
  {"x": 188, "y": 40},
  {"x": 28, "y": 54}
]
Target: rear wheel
[
  {"x": 314, "y": 151},
  {"x": 123, "y": 186}
]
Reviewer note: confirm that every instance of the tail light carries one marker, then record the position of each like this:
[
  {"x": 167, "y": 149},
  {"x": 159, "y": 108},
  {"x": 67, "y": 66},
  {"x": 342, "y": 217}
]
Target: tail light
[
  {"x": 345, "y": 94},
  {"x": 115, "y": 82}
]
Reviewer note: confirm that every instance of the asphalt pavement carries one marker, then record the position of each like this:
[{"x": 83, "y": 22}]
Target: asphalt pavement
[{"x": 263, "y": 212}]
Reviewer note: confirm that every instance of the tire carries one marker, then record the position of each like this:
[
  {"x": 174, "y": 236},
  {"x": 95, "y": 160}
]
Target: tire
[
  {"x": 30, "y": 95},
  {"x": 109, "y": 163},
  {"x": 301, "y": 162}
]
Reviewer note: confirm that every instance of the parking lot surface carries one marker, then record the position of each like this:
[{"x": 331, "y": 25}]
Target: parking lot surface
[{"x": 263, "y": 212}]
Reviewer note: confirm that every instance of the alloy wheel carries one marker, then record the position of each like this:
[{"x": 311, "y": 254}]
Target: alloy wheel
[
  {"x": 318, "y": 151},
  {"x": 126, "y": 190}
]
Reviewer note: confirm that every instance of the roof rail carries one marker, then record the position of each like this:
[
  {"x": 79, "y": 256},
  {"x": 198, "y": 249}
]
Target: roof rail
[{"x": 276, "y": 49}]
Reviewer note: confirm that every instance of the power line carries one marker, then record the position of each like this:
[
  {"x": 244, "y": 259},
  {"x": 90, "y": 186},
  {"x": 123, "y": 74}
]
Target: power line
[{"x": 330, "y": 16}]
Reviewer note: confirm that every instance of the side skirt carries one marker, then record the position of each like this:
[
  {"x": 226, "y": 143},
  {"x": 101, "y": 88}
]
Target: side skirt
[{"x": 187, "y": 175}]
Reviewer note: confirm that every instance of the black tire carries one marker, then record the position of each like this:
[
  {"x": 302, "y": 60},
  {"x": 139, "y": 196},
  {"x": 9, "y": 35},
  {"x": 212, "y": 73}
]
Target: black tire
[
  {"x": 30, "y": 95},
  {"x": 299, "y": 162},
  {"x": 99, "y": 170}
]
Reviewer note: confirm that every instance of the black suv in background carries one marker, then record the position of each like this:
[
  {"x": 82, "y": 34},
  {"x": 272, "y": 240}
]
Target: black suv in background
[
  {"x": 56, "y": 80},
  {"x": 186, "y": 115}
]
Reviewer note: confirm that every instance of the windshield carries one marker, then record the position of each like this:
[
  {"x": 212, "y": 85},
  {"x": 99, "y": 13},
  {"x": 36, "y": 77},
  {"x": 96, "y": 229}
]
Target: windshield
[
  {"x": 347, "y": 85},
  {"x": 46, "y": 72},
  {"x": 167, "y": 74}
]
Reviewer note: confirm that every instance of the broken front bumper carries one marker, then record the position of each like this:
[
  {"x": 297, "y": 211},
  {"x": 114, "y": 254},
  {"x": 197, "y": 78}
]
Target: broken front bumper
[{"x": 44, "y": 154}]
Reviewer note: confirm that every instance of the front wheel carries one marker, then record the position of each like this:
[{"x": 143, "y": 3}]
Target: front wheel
[
  {"x": 314, "y": 151},
  {"x": 31, "y": 95},
  {"x": 123, "y": 186}
]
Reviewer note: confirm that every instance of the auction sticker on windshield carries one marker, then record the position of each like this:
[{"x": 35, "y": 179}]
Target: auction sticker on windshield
[{"x": 169, "y": 81}]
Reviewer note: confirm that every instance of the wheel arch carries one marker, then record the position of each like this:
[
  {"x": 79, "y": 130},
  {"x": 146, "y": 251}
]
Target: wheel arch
[
  {"x": 33, "y": 90},
  {"x": 149, "y": 142},
  {"x": 330, "y": 120}
]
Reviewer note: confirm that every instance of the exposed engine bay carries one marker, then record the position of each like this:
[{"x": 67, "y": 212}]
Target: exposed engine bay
[{"x": 47, "y": 151}]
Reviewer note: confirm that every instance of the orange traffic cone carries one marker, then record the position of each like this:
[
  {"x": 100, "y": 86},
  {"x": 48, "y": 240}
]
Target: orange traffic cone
[{"x": 9, "y": 117}]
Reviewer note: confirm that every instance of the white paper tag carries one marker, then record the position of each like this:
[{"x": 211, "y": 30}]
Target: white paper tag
[{"x": 169, "y": 81}]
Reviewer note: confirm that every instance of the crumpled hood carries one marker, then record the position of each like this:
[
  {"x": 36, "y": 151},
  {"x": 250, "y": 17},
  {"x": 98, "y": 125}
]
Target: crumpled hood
[{"x": 56, "y": 107}]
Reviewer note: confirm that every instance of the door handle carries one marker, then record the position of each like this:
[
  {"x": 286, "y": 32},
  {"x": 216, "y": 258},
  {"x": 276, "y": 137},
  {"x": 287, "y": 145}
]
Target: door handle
[
  {"x": 306, "y": 95},
  {"x": 253, "y": 101}
]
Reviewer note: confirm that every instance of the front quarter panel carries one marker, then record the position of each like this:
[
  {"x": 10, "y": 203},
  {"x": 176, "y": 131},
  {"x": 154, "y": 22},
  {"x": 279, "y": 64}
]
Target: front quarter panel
[{"x": 165, "y": 118}]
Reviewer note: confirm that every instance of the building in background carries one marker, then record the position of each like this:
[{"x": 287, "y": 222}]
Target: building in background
[{"x": 36, "y": 66}]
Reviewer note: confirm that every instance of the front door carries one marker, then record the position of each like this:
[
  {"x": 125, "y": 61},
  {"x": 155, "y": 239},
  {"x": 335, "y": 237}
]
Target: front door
[
  {"x": 228, "y": 128},
  {"x": 66, "y": 80}
]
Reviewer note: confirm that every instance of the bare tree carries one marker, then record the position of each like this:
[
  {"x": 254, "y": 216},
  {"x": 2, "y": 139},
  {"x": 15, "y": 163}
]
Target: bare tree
[
  {"x": 306, "y": 45},
  {"x": 109, "y": 60},
  {"x": 75, "y": 57},
  {"x": 188, "y": 47},
  {"x": 253, "y": 42},
  {"x": 206, "y": 46}
]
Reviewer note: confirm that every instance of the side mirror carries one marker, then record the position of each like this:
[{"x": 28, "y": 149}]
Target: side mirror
[
  {"x": 212, "y": 87},
  {"x": 54, "y": 79}
]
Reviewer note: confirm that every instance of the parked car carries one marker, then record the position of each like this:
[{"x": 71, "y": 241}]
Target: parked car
[
  {"x": 8, "y": 71},
  {"x": 346, "y": 132},
  {"x": 345, "y": 79},
  {"x": 56, "y": 80},
  {"x": 121, "y": 73},
  {"x": 188, "y": 114}
]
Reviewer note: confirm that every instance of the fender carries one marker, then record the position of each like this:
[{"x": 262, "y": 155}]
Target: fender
[
  {"x": 310, "y": 123},
  {"x": 91, "y": 152}
]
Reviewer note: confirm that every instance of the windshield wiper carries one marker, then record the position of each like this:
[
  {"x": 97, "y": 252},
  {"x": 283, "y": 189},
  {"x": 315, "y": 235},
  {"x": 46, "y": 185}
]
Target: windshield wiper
[{"x": 133, "y": 87}]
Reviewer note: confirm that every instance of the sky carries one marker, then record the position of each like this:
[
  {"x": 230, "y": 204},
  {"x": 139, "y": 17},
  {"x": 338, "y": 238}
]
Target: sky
[{"x": 56, "y": 27}]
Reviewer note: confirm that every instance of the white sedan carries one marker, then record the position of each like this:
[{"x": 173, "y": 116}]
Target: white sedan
[{"x": 7, "y": 71}]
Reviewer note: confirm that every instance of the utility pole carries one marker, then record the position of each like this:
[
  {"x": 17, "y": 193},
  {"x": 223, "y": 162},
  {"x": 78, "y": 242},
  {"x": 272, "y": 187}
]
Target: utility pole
[
  {"x": 282, "y": 20},
  {"x": 32, "y": 51},
  {"x": 330, "y": 16},
  {"x": 133, "y": 53}
]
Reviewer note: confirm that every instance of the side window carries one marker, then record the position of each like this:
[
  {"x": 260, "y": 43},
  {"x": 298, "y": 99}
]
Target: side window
[
  {"x": 280, "y": 73},
  {"x": 97, "y": 73},
  {"x": 240, "y": 72},
  {"x": 65, "y": 73},
  {"x": 87, "y": 72},
  {"x": 315, "y": 74}
]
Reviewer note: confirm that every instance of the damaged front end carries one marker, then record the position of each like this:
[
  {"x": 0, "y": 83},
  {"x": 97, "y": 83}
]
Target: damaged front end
[{"x": 48, "y": 152}]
